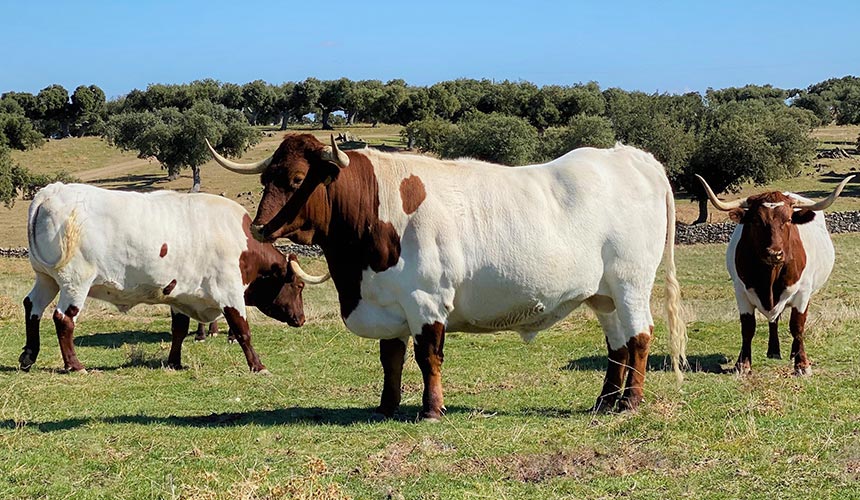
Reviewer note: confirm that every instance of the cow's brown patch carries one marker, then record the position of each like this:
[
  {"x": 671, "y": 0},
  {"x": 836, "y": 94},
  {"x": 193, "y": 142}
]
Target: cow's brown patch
[
  {"x": 429, "y": 354},
  {"x": 239, "y": 326},
  {"x": 612, "y": 382},
  {"x": 178, "y": 331},
  {"x": 744, "y": 363},
  {"x": 163, "y": 251},
  {"x": 65, "y": 334},
  {"x": 412, "y": 193},
  {"x": 637, "y": 349},
  {"x": 392, "y": 352},
  {"x": 169, "y": 288}
]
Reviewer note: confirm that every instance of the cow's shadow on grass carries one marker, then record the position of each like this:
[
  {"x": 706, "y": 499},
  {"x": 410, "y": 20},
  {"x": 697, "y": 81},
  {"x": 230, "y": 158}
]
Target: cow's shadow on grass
[
  {"x": 284, "y": 416},
  {"x": 113, "y": 340},
  {"x": 708, "y": 363}
]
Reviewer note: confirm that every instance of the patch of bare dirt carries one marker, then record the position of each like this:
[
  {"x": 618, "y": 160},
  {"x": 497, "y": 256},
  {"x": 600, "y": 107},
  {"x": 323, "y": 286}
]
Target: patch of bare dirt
[
  {"x": 579, "y": 464},
  {"x": 406, "y": 457}
]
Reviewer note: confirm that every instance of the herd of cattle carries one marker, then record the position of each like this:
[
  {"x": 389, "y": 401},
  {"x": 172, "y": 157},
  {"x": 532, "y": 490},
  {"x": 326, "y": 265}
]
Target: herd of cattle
[{"x": 417, "y": 247}]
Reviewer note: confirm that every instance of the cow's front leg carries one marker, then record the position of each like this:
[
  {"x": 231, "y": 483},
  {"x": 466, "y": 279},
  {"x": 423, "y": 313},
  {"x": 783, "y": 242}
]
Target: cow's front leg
[
  {"x": 43, "y": 292},
  {"x": 618, "y": 359},
  {"x": 239, "y": 327},
  {"x": 743, "y": 366},
  {"x": 178, "y": 331},
  {"x": 392, "y": 354},
  {"x": 773, "y": 339},
  {"x": 637, "y": 349},
  {"x": 429, "y": 356},
  {"x": 797, "y": 325}
]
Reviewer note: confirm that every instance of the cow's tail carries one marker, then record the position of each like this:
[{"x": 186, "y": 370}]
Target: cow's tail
[
  {"x": 677, "y": 328},
  {"x": 68, "y": 237}
]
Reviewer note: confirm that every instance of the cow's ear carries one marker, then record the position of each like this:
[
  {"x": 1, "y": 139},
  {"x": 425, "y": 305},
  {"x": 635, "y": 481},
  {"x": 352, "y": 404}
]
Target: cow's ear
[
  {"x": 802, "y": 216},
  {"x": 737, "y": 214},
  {"x": 330, "y": 172}
]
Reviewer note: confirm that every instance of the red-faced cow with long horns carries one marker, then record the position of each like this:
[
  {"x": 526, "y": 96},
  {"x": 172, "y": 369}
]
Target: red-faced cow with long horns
[
  {"x": 193, "y": 252},
  {"x": 418, "y": 246},
  {"x": 779, "y": 254}
]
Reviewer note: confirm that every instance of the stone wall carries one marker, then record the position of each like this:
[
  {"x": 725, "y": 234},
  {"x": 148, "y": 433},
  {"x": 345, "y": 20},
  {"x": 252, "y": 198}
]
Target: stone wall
[{"x": 837, "y": 222}]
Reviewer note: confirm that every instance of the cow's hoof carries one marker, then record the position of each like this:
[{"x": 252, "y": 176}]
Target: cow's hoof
[
  {"x": 742, "y": 370},
  {"x": 384, "y": 413},
  {"x": 603, "y": 405},
  {"x": 800, "y": 371},
  {"x": 81, "y": 370},
  {"x": 200, "y": 339},
  {"x": 25, "y": 361},
  {"x": 431, "y": 415},
  {"x": 774, "y": 355},
  {"x": 175, "y": 366},
  {"x": 264, "y": 372},
  {"x": 628, "y": 404}
]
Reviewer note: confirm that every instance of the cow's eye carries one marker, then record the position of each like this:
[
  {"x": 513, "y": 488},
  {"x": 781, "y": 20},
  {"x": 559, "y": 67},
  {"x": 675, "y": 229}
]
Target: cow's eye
[{"x": 297, "y": 180}]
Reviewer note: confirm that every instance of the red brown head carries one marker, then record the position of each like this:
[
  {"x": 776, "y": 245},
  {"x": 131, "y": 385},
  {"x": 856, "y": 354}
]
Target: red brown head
[
  {"x": 770, "y": 219},
  {"x": 293, "y": 204},
  {"x": 277, "y": 292}
]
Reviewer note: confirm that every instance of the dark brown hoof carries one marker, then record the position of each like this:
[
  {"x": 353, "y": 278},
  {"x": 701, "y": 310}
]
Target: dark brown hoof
[
  {"x": 629, "y": 404},
  {"x": 604, "y": 405},
  {"x": 774, "y": 355},
  {"x": 26, "y": 360}
]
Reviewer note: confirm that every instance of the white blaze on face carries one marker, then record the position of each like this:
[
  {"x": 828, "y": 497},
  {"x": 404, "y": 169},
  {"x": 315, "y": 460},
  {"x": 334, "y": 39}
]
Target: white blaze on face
[{"x": 773, "y": 205}]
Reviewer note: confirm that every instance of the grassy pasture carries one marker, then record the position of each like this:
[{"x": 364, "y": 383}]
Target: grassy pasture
[{"x": 517, "y": 427}]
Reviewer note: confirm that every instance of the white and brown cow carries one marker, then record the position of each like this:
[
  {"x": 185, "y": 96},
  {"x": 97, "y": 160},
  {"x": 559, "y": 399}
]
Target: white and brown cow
[
  {"x": 779, "y": 254},
  {"x": 418, "y": 246},
  {"x": 192, "y": 252}
]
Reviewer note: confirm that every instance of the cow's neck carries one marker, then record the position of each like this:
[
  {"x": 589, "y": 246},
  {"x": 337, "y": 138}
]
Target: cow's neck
[
  {"x": 257, "y": 257},
  {"x": 769, "y": 281},
  {"x": 354, "y": 238}
]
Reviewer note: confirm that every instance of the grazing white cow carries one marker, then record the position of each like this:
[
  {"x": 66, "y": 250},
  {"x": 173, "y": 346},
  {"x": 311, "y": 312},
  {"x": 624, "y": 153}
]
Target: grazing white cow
[
  {"x": 779, "y": 255},
  {"x": 418, "y": 246},
  {"x": 193, "y": 252}
]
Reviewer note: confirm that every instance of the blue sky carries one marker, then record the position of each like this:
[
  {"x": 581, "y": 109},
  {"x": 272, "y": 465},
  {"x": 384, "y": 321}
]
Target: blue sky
[{"x": 651, "y": 46}]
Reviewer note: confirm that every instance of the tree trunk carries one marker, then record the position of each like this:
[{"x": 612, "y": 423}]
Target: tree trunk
[
  {"x": 195, "y": 172},
  {"x": 703, "y": 211},
  {"x": 284, "y": 118},
  {"x": 410, "y": 141},
  {"x": 325, "y": 124}
]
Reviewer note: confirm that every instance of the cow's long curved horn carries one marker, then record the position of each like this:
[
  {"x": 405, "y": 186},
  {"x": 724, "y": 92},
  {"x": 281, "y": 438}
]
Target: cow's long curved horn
[
  {"x": 336, "y": 155},
  {"x": 826, "y": 202},
  {"x": 307, "y": 278},
  {"x": 239, "y": 168},
  {"x": 725, "y": 206}
]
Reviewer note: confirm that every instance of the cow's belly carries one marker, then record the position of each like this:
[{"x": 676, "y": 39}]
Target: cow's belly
[{"x": 198, "y": 308}]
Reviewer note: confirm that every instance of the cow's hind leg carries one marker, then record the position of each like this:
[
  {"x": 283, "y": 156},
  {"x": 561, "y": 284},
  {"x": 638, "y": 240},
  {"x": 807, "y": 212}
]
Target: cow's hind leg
[
  {"x": 392, "y": 354},
  {"x": 773, "y": 339},
  {"x": 43, "y": 292},
  {"x": 618, "y": 362},
  {"x": 797, "y": 325},
  {"x": 200, "y": 334},
  {"x": 69, "y": 307},
  {"x": 239, "y": 326},
  {"x": 429, "y": 356},
  {"x": 637, "y": 349},
  {"x": 178, "y": 331}
]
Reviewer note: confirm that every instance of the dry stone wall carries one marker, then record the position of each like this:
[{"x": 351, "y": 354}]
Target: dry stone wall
[{"x": 837, "y": 222}]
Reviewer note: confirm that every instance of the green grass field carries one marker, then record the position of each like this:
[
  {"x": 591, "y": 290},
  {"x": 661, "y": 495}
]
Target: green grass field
[{"x": 518, "y": 424}]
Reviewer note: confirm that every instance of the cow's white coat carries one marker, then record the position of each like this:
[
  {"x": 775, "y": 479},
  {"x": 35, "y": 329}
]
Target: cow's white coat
[
  {"x": 518, "y": 248},
  {"x": 107, "y": 244}
]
